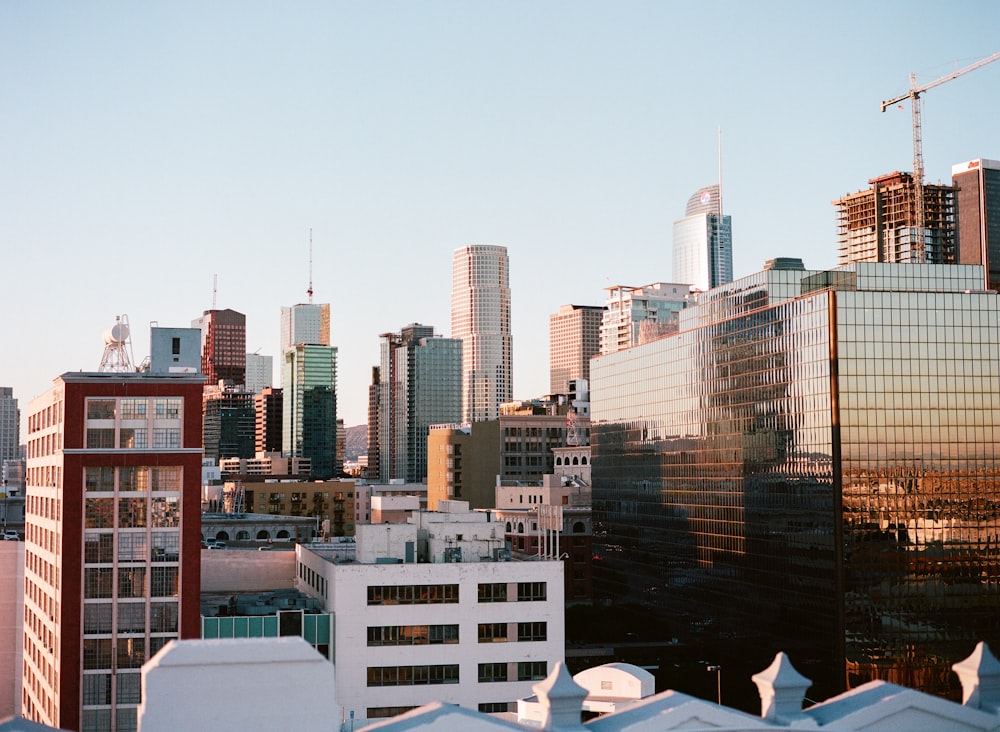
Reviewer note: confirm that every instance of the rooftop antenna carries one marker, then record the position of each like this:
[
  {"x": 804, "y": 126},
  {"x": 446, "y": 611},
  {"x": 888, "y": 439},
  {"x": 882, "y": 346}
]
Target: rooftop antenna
[
  {"x": 310, "y": 290},
  {"x": 117, "y": 357},
  {"x": 215, "y": 289},
  {"x": 720, "y": 175}
]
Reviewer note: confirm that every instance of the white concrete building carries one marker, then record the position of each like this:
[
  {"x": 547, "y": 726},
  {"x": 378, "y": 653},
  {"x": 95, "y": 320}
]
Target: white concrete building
[{"x": 425, "y": 613}]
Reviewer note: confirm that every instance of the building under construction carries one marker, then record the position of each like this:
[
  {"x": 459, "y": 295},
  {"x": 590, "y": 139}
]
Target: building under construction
[{"x": 878, "y": 224}]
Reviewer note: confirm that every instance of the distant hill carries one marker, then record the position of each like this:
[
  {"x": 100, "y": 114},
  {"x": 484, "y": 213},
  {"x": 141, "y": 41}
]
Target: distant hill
[{"x": 357, "y": 442}]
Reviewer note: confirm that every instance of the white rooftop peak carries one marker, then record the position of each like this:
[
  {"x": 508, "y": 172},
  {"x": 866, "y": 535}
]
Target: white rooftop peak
[
  {"x": 562, "y": 699},
  {"x": 980, "y": 678},
  {"x": 782, "y": 690}
]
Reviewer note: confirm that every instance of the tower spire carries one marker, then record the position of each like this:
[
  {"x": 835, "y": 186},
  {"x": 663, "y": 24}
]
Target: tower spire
[{"x": 310, "y": 290}]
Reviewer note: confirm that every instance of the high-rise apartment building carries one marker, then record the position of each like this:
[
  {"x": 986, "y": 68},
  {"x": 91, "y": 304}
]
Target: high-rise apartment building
[
  {"x": 978, "y": 211},
  {"x": 574, "y": 337},
  {"x": 268, "y": 406},
  {"x": 223, "y": 345},
  {"x": 421, "y": 385},
  {"x": 703, "y": 241},
  {"x": 480, "y": 318},
  {"x": 10, "y": 426},
  {"x": 309, "y": 406},
  {"x": 878, "y": 224},
  {"x": 112, "y": 534},
  {"x": 810, "y": 463},
  {"x": 260, "y": 372},
  {"x": 639, "y": 314}
]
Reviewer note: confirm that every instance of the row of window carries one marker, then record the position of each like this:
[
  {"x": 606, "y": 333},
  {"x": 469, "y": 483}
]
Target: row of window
[
  {"x": 412, "y": 594},
  {"x": 525, "y": 670},
  {"x": 500, "y": 632},
  {"x": 411, "y": 635},
  {"x": 526, "y": 591},
  {"x": 143, "y": 479},
  {"x": 412, "y": 675},
  {"x": 132, "y": 581},
  {"x": 129, "y": 438},
  {"x": 134, "y": 408}
]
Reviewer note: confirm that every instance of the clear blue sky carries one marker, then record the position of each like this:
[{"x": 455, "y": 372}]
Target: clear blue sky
[{"x": 145, "y": 147}]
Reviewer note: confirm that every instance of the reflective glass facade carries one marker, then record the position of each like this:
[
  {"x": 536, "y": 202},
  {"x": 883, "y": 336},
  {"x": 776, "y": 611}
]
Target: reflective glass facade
[
  {"x": 309, "y": 404},
  {"x": 810, "y": 465},
  {"x": 703, "y": 242}
]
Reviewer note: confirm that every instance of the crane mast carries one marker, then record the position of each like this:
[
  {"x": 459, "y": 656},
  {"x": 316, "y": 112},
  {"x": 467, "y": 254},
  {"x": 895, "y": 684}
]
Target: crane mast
[{"x": 919, "y": 239}]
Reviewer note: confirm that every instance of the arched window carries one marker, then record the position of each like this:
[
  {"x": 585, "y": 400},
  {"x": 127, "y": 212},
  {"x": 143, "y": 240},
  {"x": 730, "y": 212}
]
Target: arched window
[
  {"x": 576, "y": 460},
  {"x": 263, "y": 535},
  {"x": 583, "y": 460},
  {"x": 242, "y": 536},
  {"x": 222, "y": 536},
  {"x": 508, "y": 527},
  {"x": 579, "y": 527},
  {"x": 520, "y": 528},
  {"x": 558, "y": 461},
  {"x": 282, "y": 534}
]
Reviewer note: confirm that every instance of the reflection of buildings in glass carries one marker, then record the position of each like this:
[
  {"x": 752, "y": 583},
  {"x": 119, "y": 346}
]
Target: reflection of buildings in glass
[
  {"x": 309, "y": 403},
  {"x": 720, "y": 452}
]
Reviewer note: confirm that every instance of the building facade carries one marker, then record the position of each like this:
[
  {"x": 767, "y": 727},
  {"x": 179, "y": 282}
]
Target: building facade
[
  {"x": 309, "y": 407},
  {"x": 978, "y": 212},
  {"x": 703, "y": 241},
  {"x": 305, "y": 323},
  {"x": 112, "y": 545},
  {"x": 268, "y": 415},
  {"x": 228, "y": 422},
  {"x": 574, "y": 338},
  {"x": 10, "y": 426},
  {"x": 462, "y": 627},
  {"x": 223, "y": 345},
  {"x": 420, "y": 385},
  {"x": 638, "y": 314},
  {"x": 480, "y": 318},
  {"x": 822, "y": 446},
  {"x": 260, "y": 372},
  {"x": 879, "y": 224}
]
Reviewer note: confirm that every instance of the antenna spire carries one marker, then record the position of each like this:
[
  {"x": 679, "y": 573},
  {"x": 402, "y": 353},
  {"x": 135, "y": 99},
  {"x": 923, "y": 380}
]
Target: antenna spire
[
  {"x": 215, "y": 289},
  {"x": 310, "y": 290}
]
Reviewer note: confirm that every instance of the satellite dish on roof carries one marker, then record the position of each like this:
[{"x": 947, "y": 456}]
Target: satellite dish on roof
[{"x": 117, "y": 347}]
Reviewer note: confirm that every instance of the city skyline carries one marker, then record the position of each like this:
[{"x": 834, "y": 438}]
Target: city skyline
[{"x": 150, "y": 149}]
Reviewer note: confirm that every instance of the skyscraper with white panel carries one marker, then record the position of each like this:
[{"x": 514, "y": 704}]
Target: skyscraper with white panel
[
  {"x": 480, "y": 317},
  {"x": 703, "y": 242}
]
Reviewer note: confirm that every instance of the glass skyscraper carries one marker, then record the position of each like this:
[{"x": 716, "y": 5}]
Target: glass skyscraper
[
  {"x": 810, "y": 465},
  {"x": 309, "y": 402},
  {"x": 420, "y": 385},
  {"x": 703, "y": 242}
]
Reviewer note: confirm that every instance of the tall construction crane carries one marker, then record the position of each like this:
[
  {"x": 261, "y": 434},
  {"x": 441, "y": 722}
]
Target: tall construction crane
[{"x": 918, "y": 149}]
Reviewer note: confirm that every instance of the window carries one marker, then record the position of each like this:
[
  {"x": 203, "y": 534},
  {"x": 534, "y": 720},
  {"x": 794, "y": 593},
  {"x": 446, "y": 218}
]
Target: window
[
  {"x": 405, "y": 635},
  {"x": 164, "y": 582},
  {"x": 530, "y": 591},
  {"x": 100, "y": 479},
  {"x": 97, "y": 618},
  {"x": 531, "y": 670},
  {"x": 163, "y": 617},
  {"x": 167, "y": 408},
  {"x": 97, "y": 583},
  {"x": 100, "y": 409},
  {"x": 131, "y": 513},
  {"x": 134, "y": 438},
  {"x": 494, "y": 707},
  {"x": 132, "y": 408},
  {"x": 166, "y": 437},
  {"x": 175, "y": 346},
  {"x": 493, "y": 592},
  {"x": 96, "y": 689},
  {"x": 493, "y": 632},
  {"x": 131, "y": 652},
  {"x": 96, "y": 653},
  {"x": 128, "y": 688},
  {"x": 531, "y": 631},
  {"x": 490, "y": 672},
  {"x": 100, "y": 513},
  {"x": 100, "y": 439},
  {"x": 98, "y": 548},
  {"x": 132, "y": 617},
  {"x": 131, "y": 582}
]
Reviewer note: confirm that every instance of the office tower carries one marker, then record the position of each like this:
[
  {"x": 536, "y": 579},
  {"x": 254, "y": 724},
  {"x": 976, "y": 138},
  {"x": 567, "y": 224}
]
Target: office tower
[
  {"x": 636, "y": 315},
  {"x": 223, "y": 345},
  {"x": 305, "y": 323},
  {"x": 269, "y": 409},
  {"x": 574, "y": 337},
  {"x": 260, "y": 372},
  {"x": 703, "y": 241},
  {"x": 10, "y": 426},
  {"x": 309, "y": 387},
  {"x": 420, "y": 385},
  {"x": 877, "y": 225},
  {"x": 374, "y": 408},
  {"x": 805, "y": 464},
  {"x": 112, "y": 534},
  {"x": 309, "y": 406},
  {"x": 480, "y": 317},
  {"x": 229, "y": 422},
  {"x": 978, "y": 212}
]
